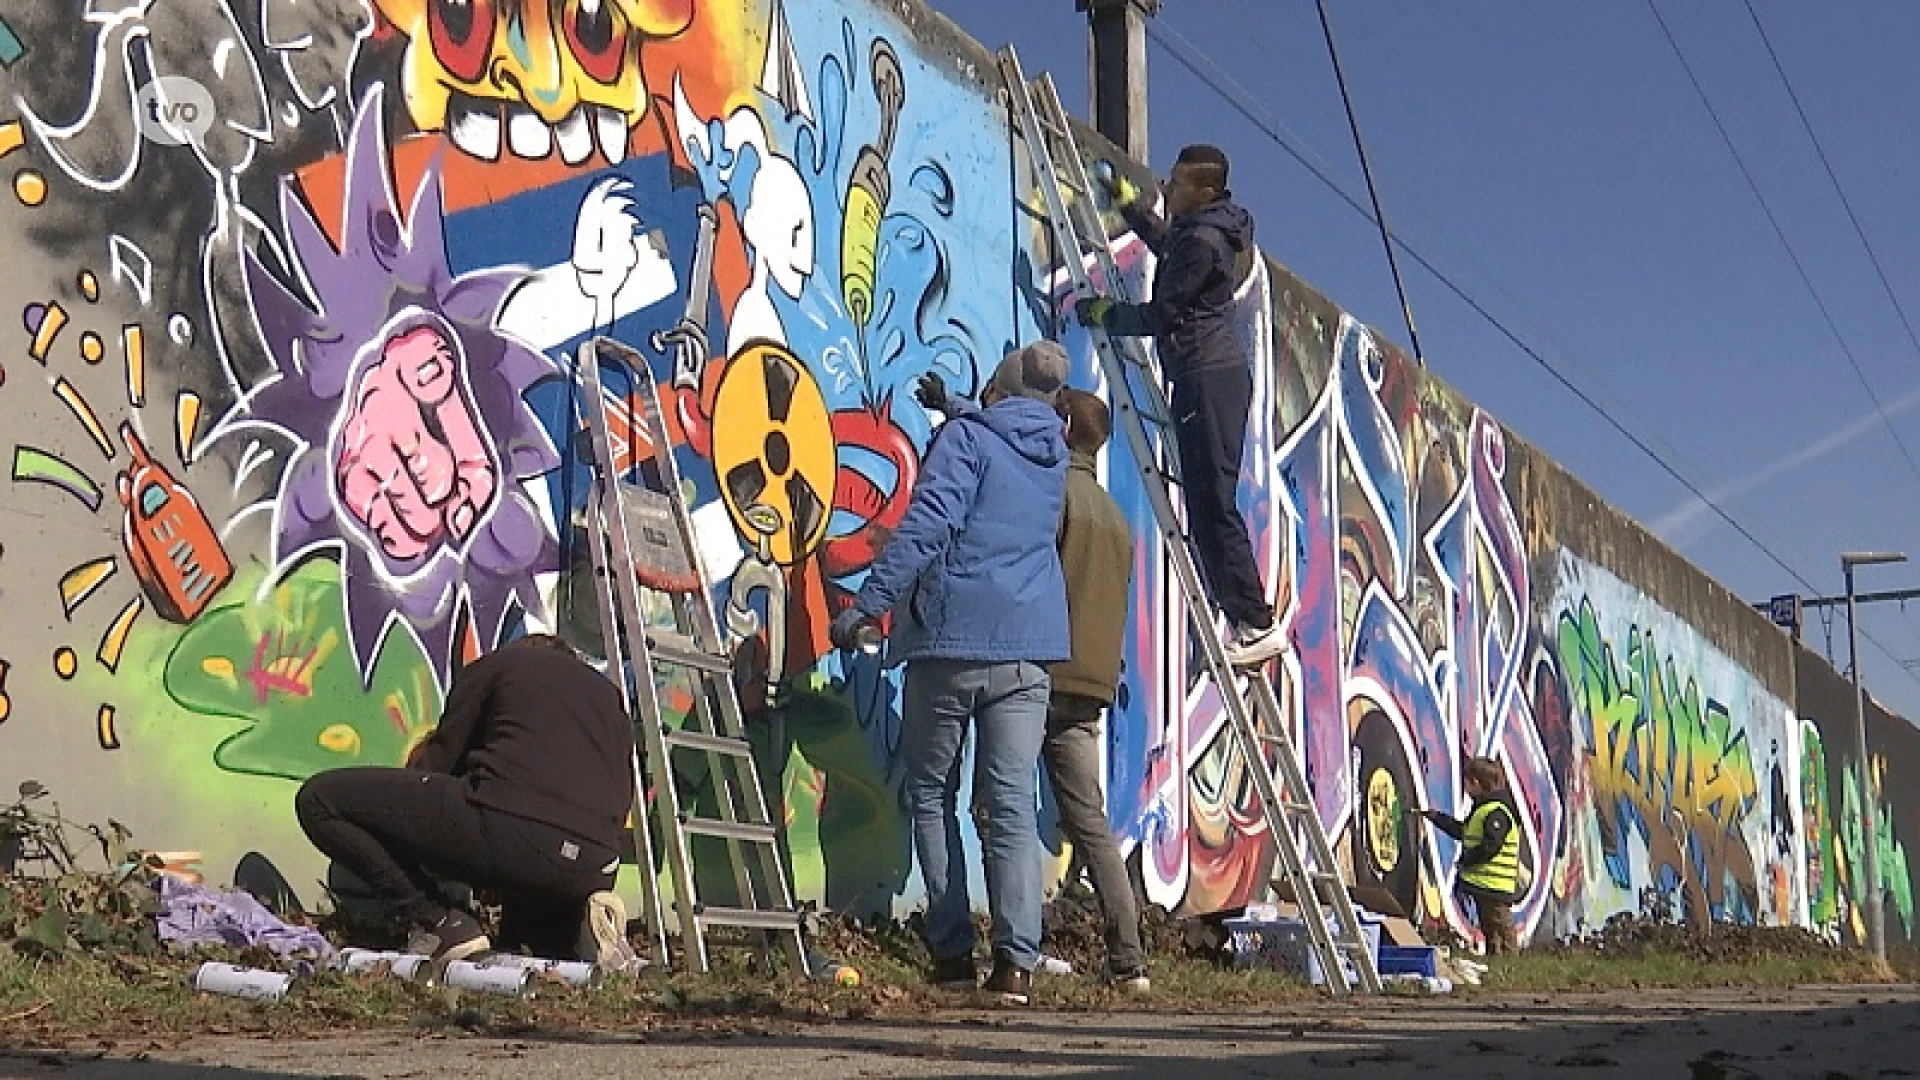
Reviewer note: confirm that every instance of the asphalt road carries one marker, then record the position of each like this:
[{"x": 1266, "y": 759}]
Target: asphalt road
[{"x": 1826, "y": 1033}]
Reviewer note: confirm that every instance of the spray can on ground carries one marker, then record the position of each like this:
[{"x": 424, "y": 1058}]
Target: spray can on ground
[
  {"x": 572, "y": 972},
  {"x": 235, "y": 981},
  {"x": 402, "y": 965},
  {"x": 507, "y": 981}
]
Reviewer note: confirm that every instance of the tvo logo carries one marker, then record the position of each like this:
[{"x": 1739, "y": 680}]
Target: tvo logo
[{"x": 173, "y": 111}]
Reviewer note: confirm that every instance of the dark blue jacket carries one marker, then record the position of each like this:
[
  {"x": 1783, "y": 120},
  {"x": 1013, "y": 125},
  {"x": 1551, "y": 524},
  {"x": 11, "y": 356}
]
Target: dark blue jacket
[
  {"x": 973, "y": 573},
  {"x": 1203, "y": 258}
]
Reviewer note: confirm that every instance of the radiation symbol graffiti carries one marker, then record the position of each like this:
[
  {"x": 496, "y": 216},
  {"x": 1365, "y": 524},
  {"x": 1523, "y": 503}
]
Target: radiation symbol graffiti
[{"x": 774, "y": 453}]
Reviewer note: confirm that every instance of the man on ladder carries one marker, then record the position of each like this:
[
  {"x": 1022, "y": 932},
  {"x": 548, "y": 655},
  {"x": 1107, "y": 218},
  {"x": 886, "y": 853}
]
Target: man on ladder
[{"x": 1205, "y": 252}]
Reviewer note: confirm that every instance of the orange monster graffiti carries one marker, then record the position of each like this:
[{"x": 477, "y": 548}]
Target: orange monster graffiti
[{"x": 532, "y": 75}]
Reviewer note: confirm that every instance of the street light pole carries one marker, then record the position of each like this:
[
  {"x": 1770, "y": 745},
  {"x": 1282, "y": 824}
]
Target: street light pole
[{"x": 1869, "y": 825}]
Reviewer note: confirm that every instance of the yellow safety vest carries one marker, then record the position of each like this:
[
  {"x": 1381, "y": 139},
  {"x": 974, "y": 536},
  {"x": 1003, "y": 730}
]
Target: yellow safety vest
[{"x": 1500, "y": 874}]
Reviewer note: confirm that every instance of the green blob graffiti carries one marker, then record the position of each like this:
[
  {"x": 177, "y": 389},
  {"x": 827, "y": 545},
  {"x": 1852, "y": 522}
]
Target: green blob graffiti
[
  {"x": 1895, "y": 884},
  {"x": 282, "y": 663},
  {"x": 1817, "y": 812}
]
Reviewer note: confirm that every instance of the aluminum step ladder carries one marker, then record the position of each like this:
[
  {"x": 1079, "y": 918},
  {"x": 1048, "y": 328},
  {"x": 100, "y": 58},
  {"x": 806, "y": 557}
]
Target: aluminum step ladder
[
  {"x": 1307, "y": 868},
  {"x": 657, "y": 623}
]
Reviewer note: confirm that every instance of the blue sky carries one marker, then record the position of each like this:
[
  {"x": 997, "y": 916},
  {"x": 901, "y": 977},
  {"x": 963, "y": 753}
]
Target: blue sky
[{"x": 1554, "y": 161}]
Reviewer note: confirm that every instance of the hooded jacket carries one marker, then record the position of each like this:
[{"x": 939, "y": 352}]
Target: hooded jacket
[
  {"x": 972, "y": 572},
  {"x": 1203, "y": 258},
  {"x": 538, "y": 734}
]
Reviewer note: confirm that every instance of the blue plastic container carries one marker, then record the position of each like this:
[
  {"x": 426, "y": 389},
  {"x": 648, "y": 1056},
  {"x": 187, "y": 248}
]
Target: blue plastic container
[
  {"x": 1422, "y": 960},
  {"x": 1283, "y": 945}
]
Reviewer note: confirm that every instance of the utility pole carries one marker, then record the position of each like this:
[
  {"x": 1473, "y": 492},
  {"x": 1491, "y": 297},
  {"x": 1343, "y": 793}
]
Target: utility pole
[
  {"x": 1869, "y": 799},
  {"x": 1117, "y": 70}
]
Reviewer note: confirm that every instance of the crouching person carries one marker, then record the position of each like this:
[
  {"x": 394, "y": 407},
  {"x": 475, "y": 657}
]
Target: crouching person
[{"x": 523, "y": 790}]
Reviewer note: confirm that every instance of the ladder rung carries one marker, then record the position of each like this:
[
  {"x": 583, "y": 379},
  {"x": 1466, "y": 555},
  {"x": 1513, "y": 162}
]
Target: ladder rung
[
  {"x": 713, "y": 744},
  {"x": 728, "y": 830},
  {"x": 674, "y": 649},
  {"x": 752, "y": 918}
]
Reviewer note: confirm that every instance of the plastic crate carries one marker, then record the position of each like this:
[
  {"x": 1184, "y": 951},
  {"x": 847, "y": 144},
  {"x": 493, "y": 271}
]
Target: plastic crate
[
  {"x": 1283, "y": 945},
  {"x": 1422, "y": 960}
]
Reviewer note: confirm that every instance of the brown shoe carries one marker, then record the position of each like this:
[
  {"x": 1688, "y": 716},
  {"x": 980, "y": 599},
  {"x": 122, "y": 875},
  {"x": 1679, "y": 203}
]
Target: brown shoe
[{"x": 1012, "y": 984}]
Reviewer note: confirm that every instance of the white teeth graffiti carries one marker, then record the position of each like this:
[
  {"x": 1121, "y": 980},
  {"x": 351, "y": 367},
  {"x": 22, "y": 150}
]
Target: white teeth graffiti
[
  {"x": 476, "y": 131},
  {"x": 475, "y": 127},
  {"x": 573, "y": 138},
  {"x": 610, "y": 131},
  {"x": 528, "y": 136}
]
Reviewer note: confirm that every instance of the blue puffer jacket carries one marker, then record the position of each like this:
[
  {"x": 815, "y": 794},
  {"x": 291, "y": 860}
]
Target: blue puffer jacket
[{"x": 973, "y": 573}]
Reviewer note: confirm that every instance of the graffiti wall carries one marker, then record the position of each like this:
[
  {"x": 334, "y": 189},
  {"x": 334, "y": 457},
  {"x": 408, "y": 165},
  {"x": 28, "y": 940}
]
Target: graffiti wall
[
  {"x": 1833, "y": 803},
  {"x": 289, "y": 407},
  {"x": 292, "y": 429}
]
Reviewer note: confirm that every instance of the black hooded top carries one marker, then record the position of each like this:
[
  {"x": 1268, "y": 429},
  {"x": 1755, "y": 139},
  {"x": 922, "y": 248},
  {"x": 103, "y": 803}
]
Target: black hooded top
[{"x": 1203, "y": 259}]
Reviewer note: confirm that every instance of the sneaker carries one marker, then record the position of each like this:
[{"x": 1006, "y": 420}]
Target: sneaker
[
  {"x": 455, "y": 937},
  {"x": 1131, "y": 981},
  {"x": 1250, "y": 646},
  {"x": 603, "y": 935},
  {"x": 1009, "y": 982},
  {"x": 955, "y": 973}
]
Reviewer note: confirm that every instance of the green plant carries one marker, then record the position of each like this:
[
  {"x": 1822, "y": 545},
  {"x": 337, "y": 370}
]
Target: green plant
[{"x": 64, "y": 906}]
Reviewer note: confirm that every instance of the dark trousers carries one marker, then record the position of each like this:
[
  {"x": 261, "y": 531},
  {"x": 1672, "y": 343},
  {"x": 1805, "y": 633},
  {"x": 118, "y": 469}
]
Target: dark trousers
[
  {"x": 1072, "y": 754},
  {"x": 1210, "y": 429},
  {"x": 1494, "y": 912},
  {"x": 391, "y": 827}
]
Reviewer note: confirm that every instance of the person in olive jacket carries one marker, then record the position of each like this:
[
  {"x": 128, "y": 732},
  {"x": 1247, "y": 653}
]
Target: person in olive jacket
[{"x": 1096, "y": 558}]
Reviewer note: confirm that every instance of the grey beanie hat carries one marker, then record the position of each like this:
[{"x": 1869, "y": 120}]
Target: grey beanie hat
[{"x": 1035, "y": 371}]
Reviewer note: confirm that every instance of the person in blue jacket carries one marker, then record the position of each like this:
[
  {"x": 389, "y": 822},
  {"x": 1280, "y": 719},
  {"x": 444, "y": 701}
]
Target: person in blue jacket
[
  {"x": 1205, "y": 251},
  {"x": 972, "y": 579}
]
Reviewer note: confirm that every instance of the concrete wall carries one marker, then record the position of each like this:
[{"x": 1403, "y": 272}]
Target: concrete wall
[{"x": 328, "y": 250}]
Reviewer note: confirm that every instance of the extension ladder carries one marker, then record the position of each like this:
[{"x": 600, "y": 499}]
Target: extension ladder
[
  {"x": 641, "y": 538},
  {"x": 1310, "y": 875}
]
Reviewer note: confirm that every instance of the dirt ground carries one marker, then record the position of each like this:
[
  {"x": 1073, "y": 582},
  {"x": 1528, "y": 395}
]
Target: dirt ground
[{"x": 1827, "y": 1033}]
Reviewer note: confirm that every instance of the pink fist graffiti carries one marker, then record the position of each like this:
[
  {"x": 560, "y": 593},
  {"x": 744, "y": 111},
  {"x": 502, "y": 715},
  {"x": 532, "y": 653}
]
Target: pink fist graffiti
[{"x": 411, "y": 461}]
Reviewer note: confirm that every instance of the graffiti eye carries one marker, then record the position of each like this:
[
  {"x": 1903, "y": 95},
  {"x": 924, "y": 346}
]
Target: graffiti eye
[
  {"x": 598, "y": 40},
  {"x": 462, "y": 35}
]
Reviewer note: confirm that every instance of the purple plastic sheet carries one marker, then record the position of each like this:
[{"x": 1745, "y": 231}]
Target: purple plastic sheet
[{"x": 191, "y": 915}]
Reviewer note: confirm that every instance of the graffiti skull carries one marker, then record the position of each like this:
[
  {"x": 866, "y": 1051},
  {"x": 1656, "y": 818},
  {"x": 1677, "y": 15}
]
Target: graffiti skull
[{"x": 536, "y": 74}]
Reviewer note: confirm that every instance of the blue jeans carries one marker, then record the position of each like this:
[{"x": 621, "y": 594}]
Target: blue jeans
[{"x": 1008, "y": 703}]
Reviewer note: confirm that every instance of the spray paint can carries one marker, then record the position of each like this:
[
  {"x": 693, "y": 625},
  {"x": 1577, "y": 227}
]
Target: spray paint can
[
  {"x": 358, "y": 961},
  {"x": 572, "y": 972},
  {"x": 234, "y": 981},
  {"x": 402, "y": 965},
  {"x": 869, "y": 637},
  {"x": 507, "y": 981}
]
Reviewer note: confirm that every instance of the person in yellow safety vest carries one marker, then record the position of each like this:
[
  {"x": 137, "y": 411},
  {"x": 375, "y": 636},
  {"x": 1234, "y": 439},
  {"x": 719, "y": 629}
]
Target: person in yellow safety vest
[{"x": 1489, "y": 870}]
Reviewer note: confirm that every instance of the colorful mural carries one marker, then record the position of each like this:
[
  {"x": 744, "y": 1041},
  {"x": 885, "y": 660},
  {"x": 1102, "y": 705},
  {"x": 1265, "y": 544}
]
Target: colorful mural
[{"x": 304, "y": 279}]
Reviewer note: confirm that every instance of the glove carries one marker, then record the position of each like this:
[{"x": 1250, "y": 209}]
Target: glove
[
  {"x": 1092, "y": 310},
  {"x": 931, "y": 392},
  {"x": 1120, "y": 190},
  {"x": 844, "y": 632}
]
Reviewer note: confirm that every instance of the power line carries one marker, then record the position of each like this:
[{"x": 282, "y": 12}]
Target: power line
[
  {"x": 1458, "y": 246},
  {"x": 1205, "y": 68},
  {"x": 1373, "y": 193},
  {"x": 1781, "y": 233},
  {"x": 1807, "y": 125}
]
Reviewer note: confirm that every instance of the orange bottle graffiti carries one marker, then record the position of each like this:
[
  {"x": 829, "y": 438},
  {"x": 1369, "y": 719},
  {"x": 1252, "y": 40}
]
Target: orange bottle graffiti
[{"x": 171, "y": 545}]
